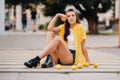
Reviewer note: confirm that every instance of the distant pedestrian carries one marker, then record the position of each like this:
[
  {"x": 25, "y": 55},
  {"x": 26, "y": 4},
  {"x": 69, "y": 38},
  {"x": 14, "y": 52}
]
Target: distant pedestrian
[
  {"x": 12, "y": 23},
  {"x": 12, "y": 18},
  {"x": 33, "y": 18},
  {"x": 24, "y": 20}
]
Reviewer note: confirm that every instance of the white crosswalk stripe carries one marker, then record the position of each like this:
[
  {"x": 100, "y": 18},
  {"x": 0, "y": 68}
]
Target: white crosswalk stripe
[{"x": 14, "y": 65}]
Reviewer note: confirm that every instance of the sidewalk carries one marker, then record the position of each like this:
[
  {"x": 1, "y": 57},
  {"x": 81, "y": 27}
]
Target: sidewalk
[{"x": 16, "y": 48}]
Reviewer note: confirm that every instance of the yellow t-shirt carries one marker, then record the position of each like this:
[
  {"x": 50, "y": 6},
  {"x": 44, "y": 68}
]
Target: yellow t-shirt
[{"x": 79, "y": 35}]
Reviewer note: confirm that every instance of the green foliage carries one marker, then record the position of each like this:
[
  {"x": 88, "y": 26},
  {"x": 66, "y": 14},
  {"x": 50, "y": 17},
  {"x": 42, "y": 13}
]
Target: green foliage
[
  {"x": 41, "y": 27},
  {"x": 90, "y": 6},
  {"x": 25, "y": 3},
  {"x": 52, "y": 7}
]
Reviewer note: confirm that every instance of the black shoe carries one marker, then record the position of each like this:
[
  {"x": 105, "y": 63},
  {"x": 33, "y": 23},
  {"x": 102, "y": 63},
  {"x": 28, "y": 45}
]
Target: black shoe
[
  {"x": 34, "y": 30},
  {"x": 33, "y": 62},
  {"x": 48, "y": 62}
]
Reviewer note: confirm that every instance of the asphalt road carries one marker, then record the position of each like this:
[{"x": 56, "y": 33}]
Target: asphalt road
[{"x": 36, "y": 41}]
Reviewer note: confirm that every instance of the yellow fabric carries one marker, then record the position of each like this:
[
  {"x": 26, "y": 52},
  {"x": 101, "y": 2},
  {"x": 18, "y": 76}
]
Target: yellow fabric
[{"x": 79, "y": 35}]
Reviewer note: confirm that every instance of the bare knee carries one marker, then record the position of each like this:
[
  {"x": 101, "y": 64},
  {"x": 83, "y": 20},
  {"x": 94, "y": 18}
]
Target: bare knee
[
  {"x": 57, "y": 39},
  {"x": 50, "y": 33}
]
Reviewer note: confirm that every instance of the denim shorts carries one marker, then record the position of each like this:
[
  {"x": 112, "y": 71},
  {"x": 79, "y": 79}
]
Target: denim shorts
[
  {"x": 33, "y": 20},
  {"x": 73, "y": 55}
]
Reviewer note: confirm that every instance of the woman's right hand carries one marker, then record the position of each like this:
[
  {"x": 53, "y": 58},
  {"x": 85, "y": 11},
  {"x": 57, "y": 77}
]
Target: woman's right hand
[{"x": 63, "y": 17}]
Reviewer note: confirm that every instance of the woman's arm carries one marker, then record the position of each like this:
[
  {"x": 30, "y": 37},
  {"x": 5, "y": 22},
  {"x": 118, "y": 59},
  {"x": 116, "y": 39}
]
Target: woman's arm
[
  {"x": 53, "y": 21},
  {"x": 85, "y": 51}
]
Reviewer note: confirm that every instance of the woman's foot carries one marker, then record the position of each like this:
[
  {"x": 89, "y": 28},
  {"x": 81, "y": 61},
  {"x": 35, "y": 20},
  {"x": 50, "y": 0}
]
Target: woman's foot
[
  {"x": 48, "y": 62},
  {"x": 33, "y": 62}
]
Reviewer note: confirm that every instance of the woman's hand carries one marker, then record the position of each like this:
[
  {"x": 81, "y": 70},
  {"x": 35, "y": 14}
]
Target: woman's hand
[
  {"x": 62, "y": 16},
  {"x": 53, "y": 21}
]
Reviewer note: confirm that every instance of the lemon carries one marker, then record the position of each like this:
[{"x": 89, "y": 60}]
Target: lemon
[
  {"x": 79, "y": 66},
  {"x": 38, "y": 64},
  {"x": 74, "y": 67},
  {"x": 86, "y": 64},
  {"x": 63, "y": 19},
  {"x": 95, "y": 65},
  {"x": 58, "y": 67}
]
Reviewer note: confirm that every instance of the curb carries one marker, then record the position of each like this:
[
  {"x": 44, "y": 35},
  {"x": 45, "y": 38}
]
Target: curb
[
  {"x": 92, "y": 47},
  {"x": 89, "y": 47},
  {"x": 23, "y": 33},
  {"x": 60, "y": 71}
]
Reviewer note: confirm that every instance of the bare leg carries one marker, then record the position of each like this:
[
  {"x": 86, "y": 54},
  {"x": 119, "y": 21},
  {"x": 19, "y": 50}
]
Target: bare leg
[
  {"x": 55, "y": 58},
  {"x": 62, "y": 51},
  {"x": 50, "y": 36},
  {"x": 33, "y": 26}
]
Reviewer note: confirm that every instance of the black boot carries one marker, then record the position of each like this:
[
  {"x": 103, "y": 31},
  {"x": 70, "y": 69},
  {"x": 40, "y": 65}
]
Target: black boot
[
  {"x": 48, "y": 62},
  {"x": 33, "y": 62}
]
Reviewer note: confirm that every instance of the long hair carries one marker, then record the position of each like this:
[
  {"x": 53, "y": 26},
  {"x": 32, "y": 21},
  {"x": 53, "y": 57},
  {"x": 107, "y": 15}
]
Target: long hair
[{"x": 67, "y": 25}]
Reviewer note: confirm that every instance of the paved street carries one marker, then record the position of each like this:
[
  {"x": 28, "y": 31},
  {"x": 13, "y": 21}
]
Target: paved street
[
  {"x": 21, "y": 40},
  {"x": 17, "y": 47}
]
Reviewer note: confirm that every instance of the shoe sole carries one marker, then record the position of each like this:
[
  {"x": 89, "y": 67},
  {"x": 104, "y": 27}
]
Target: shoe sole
[
  {"x": 46, "y": 66},
  {"x": 27, "y": 65}
]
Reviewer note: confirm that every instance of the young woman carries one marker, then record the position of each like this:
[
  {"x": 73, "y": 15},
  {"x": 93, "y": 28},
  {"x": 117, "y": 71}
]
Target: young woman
[{"x": 69, "y": 47}]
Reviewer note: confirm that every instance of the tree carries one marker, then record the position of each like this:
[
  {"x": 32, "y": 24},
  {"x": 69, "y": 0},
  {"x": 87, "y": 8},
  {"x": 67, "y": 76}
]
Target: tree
[
  {"x": 25, "y": 3},
  {"x": 53, "y": 6},
  {"x": 88, "y": 8}
]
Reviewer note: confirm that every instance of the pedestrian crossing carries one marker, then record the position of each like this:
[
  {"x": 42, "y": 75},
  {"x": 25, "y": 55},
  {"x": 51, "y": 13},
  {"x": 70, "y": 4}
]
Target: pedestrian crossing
[
  {"x": 16, "y": 65},
  {"x": 13, "y": 61}
]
